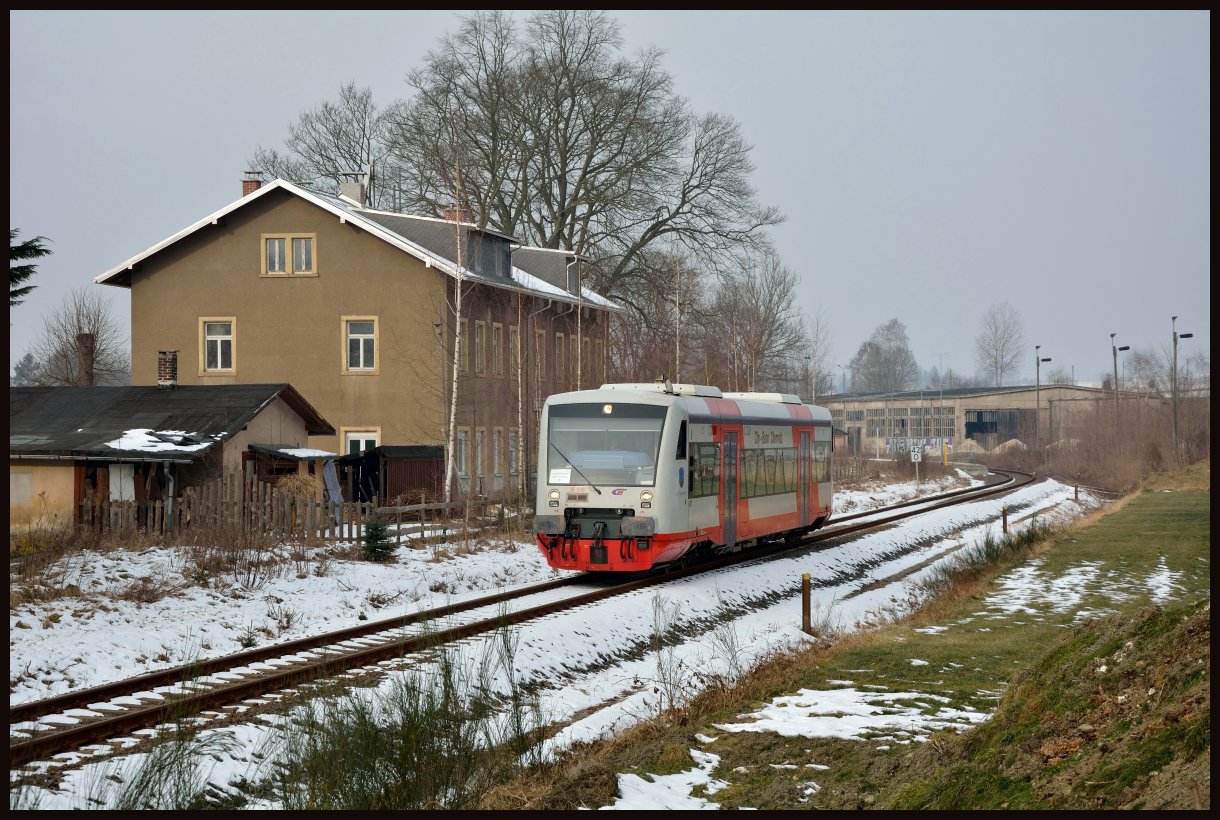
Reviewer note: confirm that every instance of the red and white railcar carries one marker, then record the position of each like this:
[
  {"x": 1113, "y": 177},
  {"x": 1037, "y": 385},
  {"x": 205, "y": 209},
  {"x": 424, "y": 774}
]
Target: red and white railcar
[{"x": 633, "y": 476}]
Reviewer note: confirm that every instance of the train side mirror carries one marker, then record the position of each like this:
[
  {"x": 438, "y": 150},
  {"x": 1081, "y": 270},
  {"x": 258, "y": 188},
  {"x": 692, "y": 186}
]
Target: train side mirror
[{"x": 691, "y": 461}]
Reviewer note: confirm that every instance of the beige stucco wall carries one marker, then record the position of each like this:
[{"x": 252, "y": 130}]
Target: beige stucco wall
[
  {"x": 40, "y": 494},
  {"x": 290, "y": 329},
  {"x": 277, "y": 425}
]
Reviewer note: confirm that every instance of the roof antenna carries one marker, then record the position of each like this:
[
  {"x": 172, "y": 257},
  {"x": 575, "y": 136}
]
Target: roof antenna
[{"x": 664, "y": 380}]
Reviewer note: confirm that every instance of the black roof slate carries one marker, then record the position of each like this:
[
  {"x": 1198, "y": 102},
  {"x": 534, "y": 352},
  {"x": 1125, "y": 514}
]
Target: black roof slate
[{"x": 81, "y": 420}]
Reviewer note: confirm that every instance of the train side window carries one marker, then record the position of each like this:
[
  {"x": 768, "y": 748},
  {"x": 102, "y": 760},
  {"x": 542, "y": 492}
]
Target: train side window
[
  {"x": 705, "y": 471},
  {"x": 681, "y": 441}
]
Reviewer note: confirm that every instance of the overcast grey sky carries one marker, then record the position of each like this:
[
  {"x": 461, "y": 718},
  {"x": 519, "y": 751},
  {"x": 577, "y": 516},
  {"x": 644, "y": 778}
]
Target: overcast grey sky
[{"x": 930, "y": 164}]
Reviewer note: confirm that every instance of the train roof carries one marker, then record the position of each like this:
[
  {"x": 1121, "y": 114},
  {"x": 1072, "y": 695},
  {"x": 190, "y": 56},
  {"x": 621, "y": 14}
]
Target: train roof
[{"x": 700, "y": 399}]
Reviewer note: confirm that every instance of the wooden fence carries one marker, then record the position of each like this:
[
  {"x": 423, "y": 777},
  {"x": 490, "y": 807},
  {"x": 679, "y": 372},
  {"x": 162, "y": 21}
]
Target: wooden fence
[{"x": 240, "y": 500}]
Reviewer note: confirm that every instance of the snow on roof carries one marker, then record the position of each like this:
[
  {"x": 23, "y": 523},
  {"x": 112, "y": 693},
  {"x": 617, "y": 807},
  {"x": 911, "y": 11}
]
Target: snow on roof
[
  {"x": 306, "y": 452},
  {"x": 348, "y": 211},
  {"x": 146, "y": 440}
]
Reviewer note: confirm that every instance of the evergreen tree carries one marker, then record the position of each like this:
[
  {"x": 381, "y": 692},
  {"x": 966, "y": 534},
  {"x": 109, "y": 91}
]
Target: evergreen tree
[
  {"x": 377, "y": 544},
  {"x": 18, "y": 274},
  {"x": 25, "y": 372}
]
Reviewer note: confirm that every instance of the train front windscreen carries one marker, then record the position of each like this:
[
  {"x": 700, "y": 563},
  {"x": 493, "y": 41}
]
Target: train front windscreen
[{"x": 604, "y": 444}]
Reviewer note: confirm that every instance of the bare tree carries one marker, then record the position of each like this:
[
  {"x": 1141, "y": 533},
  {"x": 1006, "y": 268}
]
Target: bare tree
[
  {"x": 346, "y": 136},
  {"x": 884, "y": 363},
  {"x": 770, "y": 332},
  {"x": 1059, "y": 375},
  {"x": 999, "y": 343},
  {"x": 82, "y": 344},
  {"x": 821, "y": 351},
  {"x": 567, "y": 143}
]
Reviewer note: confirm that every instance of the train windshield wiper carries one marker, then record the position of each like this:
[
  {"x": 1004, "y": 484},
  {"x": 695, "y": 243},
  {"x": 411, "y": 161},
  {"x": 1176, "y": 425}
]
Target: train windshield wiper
[{"x": 574, "y": 467}]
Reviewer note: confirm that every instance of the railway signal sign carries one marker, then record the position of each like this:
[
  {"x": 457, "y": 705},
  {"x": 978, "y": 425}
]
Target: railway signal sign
[{"x": 916, "y": 455}]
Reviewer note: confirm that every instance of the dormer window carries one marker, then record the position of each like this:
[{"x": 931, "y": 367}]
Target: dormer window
[{"x": 289, "y": 255}]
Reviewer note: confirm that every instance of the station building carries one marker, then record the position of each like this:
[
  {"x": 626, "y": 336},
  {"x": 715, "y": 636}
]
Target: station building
[{"x": 964, "y": 419}]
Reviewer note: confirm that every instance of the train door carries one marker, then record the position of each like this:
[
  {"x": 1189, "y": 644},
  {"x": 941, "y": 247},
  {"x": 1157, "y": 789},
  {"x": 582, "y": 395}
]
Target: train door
[
  {"x": 806, "y": 479},
  {"x": 728, "y": 503}
]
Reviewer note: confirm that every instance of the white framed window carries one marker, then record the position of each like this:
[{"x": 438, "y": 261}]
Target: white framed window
[
  {"x": 216, "y": 353},
  {"x": 497, "y": 448},
  {"x": 480, "y": 340},
  {"x": 480, "y": 451},
  {"x": 289, "y": 254},
  {"x": 460, "y": 450},
  {"x": 360, "y": 343},
  {"x": 357, "y": 440},
  {"x": 513, "y": 464}
]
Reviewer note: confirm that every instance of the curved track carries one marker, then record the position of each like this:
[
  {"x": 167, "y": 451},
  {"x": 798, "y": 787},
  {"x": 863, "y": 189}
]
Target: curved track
[{"x": 117, "y": 709}]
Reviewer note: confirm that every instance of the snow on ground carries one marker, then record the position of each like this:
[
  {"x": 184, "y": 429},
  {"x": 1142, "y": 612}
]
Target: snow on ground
[
  {"x": 102, "y": 636},
  {"x": 596, "y": 661}
]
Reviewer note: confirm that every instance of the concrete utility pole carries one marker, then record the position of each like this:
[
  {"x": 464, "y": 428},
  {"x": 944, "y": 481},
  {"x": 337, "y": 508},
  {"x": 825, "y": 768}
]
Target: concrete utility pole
[
  {"x": 1038, "y": 360},
  {"x": 1176, "y": 336},
  {"x": 1114, "y": 351}
]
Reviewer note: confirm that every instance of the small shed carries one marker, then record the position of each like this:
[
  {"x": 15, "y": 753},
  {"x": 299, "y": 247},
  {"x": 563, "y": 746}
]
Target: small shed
[
  {"x": 70, "y": 445},
  {"x": 406, "y": 473}
]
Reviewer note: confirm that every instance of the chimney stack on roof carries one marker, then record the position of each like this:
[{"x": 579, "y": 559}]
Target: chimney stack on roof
[
  {"x": 252, "y": 182},
  {"x": 167, "y": 369},
  {"x": 456, "y": 214},
  {"x": 86, "y": 349}
]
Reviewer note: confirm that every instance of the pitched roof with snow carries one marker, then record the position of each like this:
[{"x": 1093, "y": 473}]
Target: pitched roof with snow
[
  {"x": 144, "y": 423},
  {"x": 428, "y": 239}
]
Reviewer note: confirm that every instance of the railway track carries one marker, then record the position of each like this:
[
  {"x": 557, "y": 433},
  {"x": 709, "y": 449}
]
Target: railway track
[{"x": 115, "y": 710}]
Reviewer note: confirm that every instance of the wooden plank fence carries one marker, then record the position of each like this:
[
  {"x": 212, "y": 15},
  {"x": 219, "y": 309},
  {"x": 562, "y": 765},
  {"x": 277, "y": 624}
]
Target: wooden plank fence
[{"x": 240, "y": 500}]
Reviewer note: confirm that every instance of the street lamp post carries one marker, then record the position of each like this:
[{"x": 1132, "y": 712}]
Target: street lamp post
[
  {"x": 1114, "y": 352},
  {"x": 1176, "y": 336},
  {"x": 813, "y": 381},
  {"x": 1038, "y": 360}
]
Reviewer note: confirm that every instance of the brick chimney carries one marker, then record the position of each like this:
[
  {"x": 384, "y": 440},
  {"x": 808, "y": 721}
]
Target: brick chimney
[
  {"x": 167, "y": 369},
  {"x": 456, "y": 214},
  {"x": 86, "y": 349},
  {"x": 252, "y": 182}
]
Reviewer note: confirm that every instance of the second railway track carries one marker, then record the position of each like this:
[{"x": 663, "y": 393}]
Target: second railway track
[{"x": 117, "y": 709}]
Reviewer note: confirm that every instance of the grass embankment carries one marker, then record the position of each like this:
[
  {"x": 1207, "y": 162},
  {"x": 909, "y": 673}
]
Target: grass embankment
[{"x": 1092, "y": 653}]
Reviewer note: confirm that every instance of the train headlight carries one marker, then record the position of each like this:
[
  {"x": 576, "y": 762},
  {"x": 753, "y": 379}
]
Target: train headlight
[
  {"x": 553, "y": 495},
  {"x": 646, "y": 499}
]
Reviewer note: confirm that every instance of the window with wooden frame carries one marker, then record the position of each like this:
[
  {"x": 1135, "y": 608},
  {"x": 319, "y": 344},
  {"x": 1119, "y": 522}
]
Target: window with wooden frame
[
  {"x": 360, "y": 344},
  {"x": 512, "y": 453},
  {"x": 461, "y": 448},
  {"x": 514, "y": 347},
  {"x": 573, "y": 359},
  {"x": 480, "y": 342},
  {"x": 480, "y": 451},
  {"x": 497, "y": 349},
  {"x": 289, "y": 254},
  {"x": 358, "y": 439},
  {"x": 217, "y": 345},
  {"x": 497, "y": 448},
  {"x": 463, "y": 365},
  {"x": 539, "y": 355}
]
